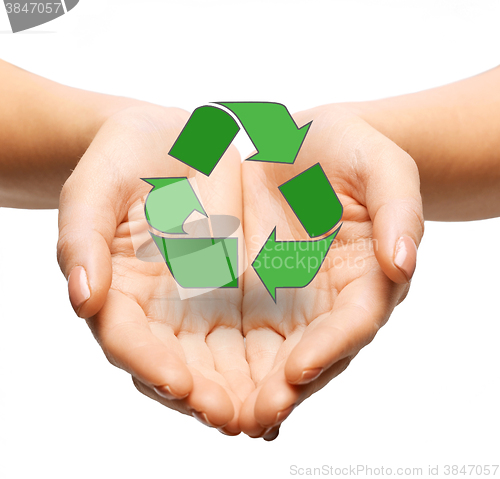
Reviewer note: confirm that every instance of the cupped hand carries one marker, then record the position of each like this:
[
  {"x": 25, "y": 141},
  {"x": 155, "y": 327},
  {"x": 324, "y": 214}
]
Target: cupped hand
[
  {"x": 189, "y": 355},
  {"x": 296, "y": 346}
]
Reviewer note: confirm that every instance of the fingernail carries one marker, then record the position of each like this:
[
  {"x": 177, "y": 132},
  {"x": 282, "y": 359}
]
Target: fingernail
[
  {"x": 271, "y": 434},
  {"x": 282, "y": 415},
  {"x": 78, "y": 288},
  {"x": 225, "y": 432},
  {"x": 202, "y": 417},
  {"x": 309, "y": 375},
  {"x": 166, "y": 392},
  {"x": 405, "y": 256}
]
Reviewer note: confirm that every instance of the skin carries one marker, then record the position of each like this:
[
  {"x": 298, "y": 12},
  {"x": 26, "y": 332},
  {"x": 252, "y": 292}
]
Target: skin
[
  {"x": 452, "y": 134},
  {"x": 190, "y": 355},
  {"x": 323, "y": 326},
  {"x": 45, "y": 129}
]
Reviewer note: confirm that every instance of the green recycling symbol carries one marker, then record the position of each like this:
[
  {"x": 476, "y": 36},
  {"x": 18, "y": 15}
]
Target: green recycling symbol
[{"x": 212, "y": 262}]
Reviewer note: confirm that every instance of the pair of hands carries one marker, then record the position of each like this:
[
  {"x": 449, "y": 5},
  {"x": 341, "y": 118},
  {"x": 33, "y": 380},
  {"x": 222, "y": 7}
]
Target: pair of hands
[{"x": 191, "y": 355}]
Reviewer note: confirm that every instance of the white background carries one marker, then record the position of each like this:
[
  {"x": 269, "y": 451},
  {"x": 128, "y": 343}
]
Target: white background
[{"x": 426, "y": 391}]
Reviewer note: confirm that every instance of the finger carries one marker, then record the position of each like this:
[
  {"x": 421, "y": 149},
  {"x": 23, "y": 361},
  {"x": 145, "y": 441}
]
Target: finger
[
  {"x": 214, "y": 412},
  {"x": 94, "y": 200},
  {"x": 272, "y": 434},
  {"x": 395, "y": 207},
  {"x": 210, "y": 403},
  {"x": 201, "y": 363},
  {"x": 359, "y": 311},
  {"x": 232, "y": 427},
  {"x": 247, "y": 422},
  {"x": 207, "y": 402},
  {"x": 179, "y": 405},
  {"x": 228, "y": 351},
  {"x": 123, "y": 331},
  {"x": 275, "y": 401},
  {"x": 90, "y": 208},
  {"x": 277, "y": 398},
  {"x": 262, "y": 346}
]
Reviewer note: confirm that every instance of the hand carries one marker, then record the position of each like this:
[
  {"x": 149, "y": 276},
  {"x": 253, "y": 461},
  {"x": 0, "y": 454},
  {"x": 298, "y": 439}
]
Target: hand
[
  {"x": 298, "y": 345},
  {"x": 187, "y": 355}
]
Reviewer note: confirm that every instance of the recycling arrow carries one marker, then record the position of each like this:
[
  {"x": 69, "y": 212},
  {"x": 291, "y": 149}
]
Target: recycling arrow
[
  {"x": 210, "y": 130},
  {"x": 206, "y": 136},
  {"x": 271, "y": 129},
  {"x": 290, "y": 264},
  {"x": 313, "y": 200},
  {"x": 201, "y": 262},
  {"x": 294, "y": 264},
  {"x": 170, "y": 203},
  {"x": 212, "y": 262},
  {"x": 193, "y": 262}
]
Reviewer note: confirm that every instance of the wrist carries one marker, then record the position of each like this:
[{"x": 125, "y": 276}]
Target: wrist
[
  {"x": 45, "y": 128},
  {"x": 99, "y": 110},
  {"x": 60, "y": 128},
  {"x": 388, "y": 117}
]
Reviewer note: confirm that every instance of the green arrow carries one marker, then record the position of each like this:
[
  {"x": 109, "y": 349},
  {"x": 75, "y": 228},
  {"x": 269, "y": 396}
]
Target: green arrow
[
  {"x": 206, "y": 136},
  {"x": 170, "y": 203},
  {"x": 201, "y": 262},
  {"x": 290, "y": 264},
  {"x": 313, "y": 200},
  {"x": 271, "y": 129}
]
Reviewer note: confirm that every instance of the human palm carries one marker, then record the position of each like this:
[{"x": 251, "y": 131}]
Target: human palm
[
  {"x": 296, "y": 346},
  {"x": 188, "y": 355}
]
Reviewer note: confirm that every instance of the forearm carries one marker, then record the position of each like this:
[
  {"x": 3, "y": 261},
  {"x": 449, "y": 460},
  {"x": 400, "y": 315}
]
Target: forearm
[
  {"x": 45, "y": 128},
  {"x": 453, "y": 134}
]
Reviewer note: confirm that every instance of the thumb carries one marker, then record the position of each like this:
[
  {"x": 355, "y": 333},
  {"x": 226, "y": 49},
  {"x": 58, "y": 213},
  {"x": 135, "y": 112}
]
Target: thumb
[
  {"x": 395, "y": 207},
  {"x": 87, "y": 224}
]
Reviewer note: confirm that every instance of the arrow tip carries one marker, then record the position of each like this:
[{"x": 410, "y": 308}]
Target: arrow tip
[
  {"x": 272, "y": 236},
  {"x": 301, "y": 136},
  {"x": 305, "y": 129},
  {"x": 286, "y": 149},
  {"x": 272, "y": 292},
  {"x": 149, "y": 181},
  {"x": 160, "y": 182},
  {"x": 259, "y": 266}
]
